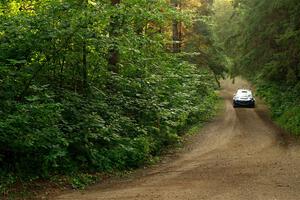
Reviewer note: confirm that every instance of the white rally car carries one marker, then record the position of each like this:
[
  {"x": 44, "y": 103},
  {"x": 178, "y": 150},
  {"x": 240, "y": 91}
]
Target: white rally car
[{"x": 243, "y": 97}]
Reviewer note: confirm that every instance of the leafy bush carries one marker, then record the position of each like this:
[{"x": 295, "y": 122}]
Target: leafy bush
[{"x": 284, "y": 103}]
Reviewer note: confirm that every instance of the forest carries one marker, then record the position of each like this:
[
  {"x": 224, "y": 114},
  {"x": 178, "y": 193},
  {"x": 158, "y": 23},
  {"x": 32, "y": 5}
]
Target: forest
[{"x": 90, "y": 86}]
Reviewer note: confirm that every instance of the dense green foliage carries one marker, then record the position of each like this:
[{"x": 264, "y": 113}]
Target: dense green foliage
[
  {"x": 91, "y": 86},
  {"x": 203, "y": 43},
  {"x": 263, "y": 41},
  {"x": 284, "y": 103}
]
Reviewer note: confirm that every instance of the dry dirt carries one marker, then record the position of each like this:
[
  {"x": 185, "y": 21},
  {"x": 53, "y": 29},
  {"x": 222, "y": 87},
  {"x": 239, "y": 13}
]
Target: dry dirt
[{"x": 239, "y": 155}]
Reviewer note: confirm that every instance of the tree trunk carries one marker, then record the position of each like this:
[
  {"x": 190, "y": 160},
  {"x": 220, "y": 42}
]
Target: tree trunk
[
  {"x": 113, "y": 54},
  {"x": 85, "y": 84},
  {"x": 115, "y": 2},
  {"x": 84, "y": 67},
  {"x": 176, "y": 28}
]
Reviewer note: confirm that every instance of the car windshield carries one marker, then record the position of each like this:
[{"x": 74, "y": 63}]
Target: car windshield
[{"x": 244, "y": 93}]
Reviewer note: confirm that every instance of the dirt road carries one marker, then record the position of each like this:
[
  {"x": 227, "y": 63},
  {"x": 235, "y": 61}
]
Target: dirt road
[{"x": 240, "y": 155}]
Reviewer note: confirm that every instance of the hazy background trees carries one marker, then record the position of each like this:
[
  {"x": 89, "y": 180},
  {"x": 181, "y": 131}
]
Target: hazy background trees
[{"x": 261, "y": 42}]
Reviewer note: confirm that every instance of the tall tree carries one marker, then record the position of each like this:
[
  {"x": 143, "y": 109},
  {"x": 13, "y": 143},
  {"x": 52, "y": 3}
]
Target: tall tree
[
  {"x": 113, "y": 54},
  {"x": 177, "y": 28}
]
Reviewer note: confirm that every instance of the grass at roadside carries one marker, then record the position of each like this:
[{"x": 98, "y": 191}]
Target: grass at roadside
[{"x": 195, "y": 128}]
